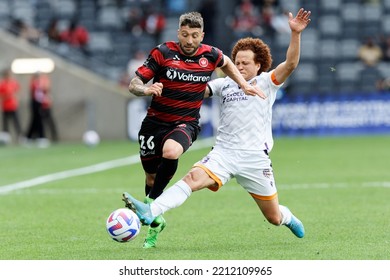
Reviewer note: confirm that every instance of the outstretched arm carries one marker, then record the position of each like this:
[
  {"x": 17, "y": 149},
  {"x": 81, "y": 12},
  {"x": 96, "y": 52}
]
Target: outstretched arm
[
  {"x": 231, "y": 70},
  {"x": 297, "y": 25}
]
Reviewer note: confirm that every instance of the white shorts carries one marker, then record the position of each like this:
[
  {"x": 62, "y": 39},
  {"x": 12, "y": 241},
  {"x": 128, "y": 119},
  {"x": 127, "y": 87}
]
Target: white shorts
[{"x": 252, "y": 170}]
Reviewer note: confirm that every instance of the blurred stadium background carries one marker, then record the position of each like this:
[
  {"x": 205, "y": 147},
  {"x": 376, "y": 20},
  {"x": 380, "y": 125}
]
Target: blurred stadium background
[
  {"x": 333, "y": 92},
  {"x": 339, "y": 185}
]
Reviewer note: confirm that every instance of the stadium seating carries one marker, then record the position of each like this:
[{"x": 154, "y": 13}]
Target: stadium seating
[{"x": 337, "y": 30}]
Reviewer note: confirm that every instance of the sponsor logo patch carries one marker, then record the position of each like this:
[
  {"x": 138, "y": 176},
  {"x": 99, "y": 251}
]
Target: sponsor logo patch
[
  {"x": 205, "y": 159},
  {"x": 267, "y": 173},
  {"x": 173, "y": 74}
]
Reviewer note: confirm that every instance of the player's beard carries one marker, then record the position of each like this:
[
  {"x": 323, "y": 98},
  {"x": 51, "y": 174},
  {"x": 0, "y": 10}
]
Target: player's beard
[{"x": 188, "y": 53}]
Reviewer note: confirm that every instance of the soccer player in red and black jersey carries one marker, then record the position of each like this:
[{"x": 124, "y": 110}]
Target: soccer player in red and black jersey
[{"x": 180, "y": 71}]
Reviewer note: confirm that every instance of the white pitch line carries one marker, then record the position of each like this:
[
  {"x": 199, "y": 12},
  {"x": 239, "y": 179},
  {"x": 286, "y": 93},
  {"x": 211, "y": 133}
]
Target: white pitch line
[
  {"x": 87, "y": 170},
  {"x": 135, "y": 159},
  {"x": 69, "y": 173}
]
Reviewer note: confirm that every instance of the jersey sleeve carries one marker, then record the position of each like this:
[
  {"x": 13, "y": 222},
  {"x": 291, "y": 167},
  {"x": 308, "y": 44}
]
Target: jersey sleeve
[
  {"x": 215, "y": 86},
  {"x": 269, "y": 84},
  {"x": 151, "y": 65},
  {"x": 220, "y": 57},
  {"x": 273, "y": 79}
]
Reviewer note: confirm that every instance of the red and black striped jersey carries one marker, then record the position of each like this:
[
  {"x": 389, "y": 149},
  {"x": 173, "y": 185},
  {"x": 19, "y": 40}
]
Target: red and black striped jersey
[{"x": 184, "y": 79}]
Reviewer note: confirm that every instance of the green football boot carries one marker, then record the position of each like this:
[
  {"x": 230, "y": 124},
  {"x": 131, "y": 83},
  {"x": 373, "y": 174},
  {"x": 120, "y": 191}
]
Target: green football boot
[{"x": 154, "y": 229}]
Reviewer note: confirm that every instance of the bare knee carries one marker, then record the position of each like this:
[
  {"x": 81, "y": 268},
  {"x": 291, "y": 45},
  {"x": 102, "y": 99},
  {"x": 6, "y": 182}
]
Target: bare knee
[
  {"x": 198, "y": 179},
  {"x": 191, "y": 179},
  {"x": 171, "y": 154},
  {"x": 172, "y": 149}
]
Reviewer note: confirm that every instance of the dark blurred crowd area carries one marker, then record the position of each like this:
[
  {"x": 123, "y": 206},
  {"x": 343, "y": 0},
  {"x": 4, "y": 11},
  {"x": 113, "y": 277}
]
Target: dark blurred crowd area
[{"x": 346, "y": 48}]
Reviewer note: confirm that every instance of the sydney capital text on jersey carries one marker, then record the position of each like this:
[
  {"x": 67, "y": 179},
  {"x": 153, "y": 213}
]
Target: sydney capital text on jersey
[{"x": 235, "y": 96}]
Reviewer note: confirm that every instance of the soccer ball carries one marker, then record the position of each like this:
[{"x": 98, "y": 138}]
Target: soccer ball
[
  {"x": 5, "y": 138},
  {"x": 123, "y": 225},
  {"x": 91, "y": 138}
]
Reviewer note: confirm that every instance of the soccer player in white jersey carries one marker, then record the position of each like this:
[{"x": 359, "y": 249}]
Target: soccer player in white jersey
[{"x": 244, "y": 138}]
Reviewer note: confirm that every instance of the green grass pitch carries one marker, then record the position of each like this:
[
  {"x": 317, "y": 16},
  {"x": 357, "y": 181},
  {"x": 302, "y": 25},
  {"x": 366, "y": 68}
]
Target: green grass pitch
[{"x": 339, "y": 187}]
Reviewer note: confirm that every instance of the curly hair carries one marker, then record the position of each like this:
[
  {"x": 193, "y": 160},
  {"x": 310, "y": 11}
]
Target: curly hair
[{"x": 259, "y": 48}]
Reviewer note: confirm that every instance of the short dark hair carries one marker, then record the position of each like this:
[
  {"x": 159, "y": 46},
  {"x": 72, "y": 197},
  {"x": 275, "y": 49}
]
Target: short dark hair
[{"x": 192, "y": 20}]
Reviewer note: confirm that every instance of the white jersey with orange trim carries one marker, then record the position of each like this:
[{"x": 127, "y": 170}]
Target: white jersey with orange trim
[{"x": 245, "y": 121}]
